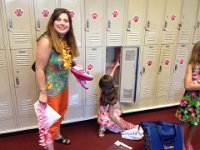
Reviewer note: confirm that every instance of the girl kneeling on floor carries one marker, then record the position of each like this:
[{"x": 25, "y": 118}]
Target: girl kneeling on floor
[{"x": 109, "y": 116}]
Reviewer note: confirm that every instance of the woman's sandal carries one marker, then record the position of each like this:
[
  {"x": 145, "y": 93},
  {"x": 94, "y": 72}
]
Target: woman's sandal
[{"x": 63, "y": 140}]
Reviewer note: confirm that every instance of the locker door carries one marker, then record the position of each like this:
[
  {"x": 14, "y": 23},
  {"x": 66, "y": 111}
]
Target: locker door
[
  {"x": 43, "y": 10},
  {"x": 155, "y": 13},
  {"x": 196, "y": 37},
  {"x": 74, "y": 6},
  {"x": 129, "y": 66},
  {"x": 164, "y": 70},
  {"x": 188, "y": 17},
  {"x": 171, "y": 21},
  {"x": 94, "y": 12},
  {"x": 25, "y": 86},
  {"x": 93, "y": 57},
  {"x": 179, "y": 70},
  {"x": 19, "y": 23},
  {"x": 135, "y": 22},
  {"x": 148, "y": 73},
  {"x": 2, "y": 46},
  {"x": 115, "y": 20},
  {"x": 6, "y": 109}
]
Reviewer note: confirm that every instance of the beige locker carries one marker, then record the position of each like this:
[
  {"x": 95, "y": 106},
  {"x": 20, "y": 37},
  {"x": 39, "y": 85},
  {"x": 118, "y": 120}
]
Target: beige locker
[
  {"x": 25, "y": 86},
  {"x": 74, "y": 6},
  {"x": 115, "y": 22},
  {"x": 179, "y": 70},
  {"x": 136, "y": 14},
  {"x": 164, "y": 70},
  {"x": 94, "y": 57},
  {"x": 171, "y": 21},
  {"x": 6, "y": 104},
  {"x": 94, "y": 22},
  {"x": 197, "y": 27},
  {"x": 129, "y": 72},
  {"x": 2, "y": 46},
  {"x": 188, "y": 17},
  {"x": 19, "y": 23},
  {"x": 148, "y": 72},
  {"x": 43, "y": 10},
  {"x": 155, "y": 13},
  {"x": 75, "y": 109}
]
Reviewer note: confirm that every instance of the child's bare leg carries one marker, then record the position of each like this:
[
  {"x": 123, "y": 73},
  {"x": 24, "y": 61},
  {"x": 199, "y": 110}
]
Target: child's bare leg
[
  {"x": 191, "y": 132},
  {"x": 183, "y": 125}
]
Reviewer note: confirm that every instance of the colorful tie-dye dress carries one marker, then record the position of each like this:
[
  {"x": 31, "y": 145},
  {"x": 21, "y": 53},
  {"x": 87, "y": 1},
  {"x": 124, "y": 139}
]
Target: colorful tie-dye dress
[{"x": 189, "y": 108}]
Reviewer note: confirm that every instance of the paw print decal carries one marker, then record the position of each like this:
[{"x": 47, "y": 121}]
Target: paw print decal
[
  {"x": 173, "y": 17},
  {"x": 136, "y": 19},
  {"x": 72, "y": 13},
  {"x": 94, "y": 15},
  {"x": 149, "y": 63},
  {"x": 90, "y": 67},
  {"x": 181, "y": 61},
  {"x": 115, "y": 13},
  {"x": 19, "y": 12},
  {"x": 166, "y": 62},
  {"x": 45, "y": 13}
]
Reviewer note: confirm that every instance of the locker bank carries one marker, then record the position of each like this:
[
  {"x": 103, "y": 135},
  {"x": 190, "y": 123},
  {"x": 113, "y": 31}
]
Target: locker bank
[{"x": 153, "y": 39}]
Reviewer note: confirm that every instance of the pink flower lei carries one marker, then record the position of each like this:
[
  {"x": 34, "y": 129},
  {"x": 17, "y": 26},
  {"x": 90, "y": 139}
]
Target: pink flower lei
[{"x": 44, "y": 135}]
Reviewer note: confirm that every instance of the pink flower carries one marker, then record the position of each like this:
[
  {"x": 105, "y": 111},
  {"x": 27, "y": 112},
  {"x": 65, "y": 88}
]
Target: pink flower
[
  {"x": 193, "y": 115},
  {"x": 193, "y": 94},
  {"x": 191, "y": 109}
]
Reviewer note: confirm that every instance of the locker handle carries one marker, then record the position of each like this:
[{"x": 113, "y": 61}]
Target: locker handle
[
  {"x": 37, "y": 25},
  {"x": 198, "y": 23},
  {"x": 160, "y": 69},
  {"x": 165, "y": 26},
  {"x": 129, "y": 26},
  {"x": 147, "y": 26},
  {"x": 176, "y": 67},
  {"x": 179, "y": 26},
  {"x": 143, "y": 71},
  {"x": 109, "y": 25},
  {"x": 17, "y": 82},
  {"x": 10, "y": 24},
  {"x": 87, "y": 25}
]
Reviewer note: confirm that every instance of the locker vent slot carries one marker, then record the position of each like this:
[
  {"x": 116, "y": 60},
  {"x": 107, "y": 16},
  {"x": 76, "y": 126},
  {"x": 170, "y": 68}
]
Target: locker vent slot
[
  {"x": 92, "y": 98},
  {"x": 152, "y": 36},
  {"x": 169, "y": 36},
  {"x": 114, "y": 37},
  {"x": 127, "y": 93},
  {"x": 20, "y": 38},
  {"x": 22, "y": 59},
  {"x": 130, "y": 55},
  {"x": 135, "y": 37},
  {"x": 27, "y": 106},
  {"x": 94, "y": 37},
  {"x": 1, "y": 61},
  {"x": 4, "y": 108},
  {"x": 93, "y": 56}
]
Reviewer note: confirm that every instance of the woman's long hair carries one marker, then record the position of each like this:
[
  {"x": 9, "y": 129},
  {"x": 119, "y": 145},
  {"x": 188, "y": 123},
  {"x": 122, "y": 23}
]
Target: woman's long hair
[
  {"x": 195, "y": 56},
  {"x": 109, "y": 92},
  {"x": 54, "y": 37}
]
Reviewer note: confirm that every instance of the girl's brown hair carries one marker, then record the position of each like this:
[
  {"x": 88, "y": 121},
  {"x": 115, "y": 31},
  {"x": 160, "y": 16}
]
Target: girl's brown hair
[
  {"x": 195, "y": 56},
  {"x": 53, "y": 35},
  {"x": 109, "y": 92}
]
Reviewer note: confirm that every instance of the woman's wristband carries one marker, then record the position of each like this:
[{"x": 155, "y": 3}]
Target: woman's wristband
[{"x": 43, "y": 91}]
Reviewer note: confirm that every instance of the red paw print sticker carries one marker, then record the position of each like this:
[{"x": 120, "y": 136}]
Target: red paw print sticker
[
  {"x": 136, "y": 19},
  {"x": 72, "y": 13},
  {"x": 173, "y": 17},
  {"x": 115, "y": 13},
  {"x": 19, "y": 12},
  {"x": 149, "y": 63},
  {"x": 94, "y": 15},
  {"x": 90, "y": 67},
  {"x": 45, "y": 13},
  {"x": 181, "y": 61},
  {"x": 166, "y": 62}
]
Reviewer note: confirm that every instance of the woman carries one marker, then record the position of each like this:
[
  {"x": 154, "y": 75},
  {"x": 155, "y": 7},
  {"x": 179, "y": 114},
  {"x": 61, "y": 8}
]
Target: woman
[{"x": 55, "y": 51}]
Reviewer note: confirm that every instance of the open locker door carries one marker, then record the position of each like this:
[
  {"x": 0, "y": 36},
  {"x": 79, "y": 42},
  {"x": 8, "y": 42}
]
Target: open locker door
[{"x": 129, "y": 71}]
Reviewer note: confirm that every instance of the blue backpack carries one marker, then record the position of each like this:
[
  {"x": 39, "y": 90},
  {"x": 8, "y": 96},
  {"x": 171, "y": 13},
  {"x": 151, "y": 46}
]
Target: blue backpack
[{"x": 161, "y": 135}]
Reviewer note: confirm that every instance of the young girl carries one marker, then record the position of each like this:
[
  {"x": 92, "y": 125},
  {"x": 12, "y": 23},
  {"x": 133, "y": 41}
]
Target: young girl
[
  {"x": 189, "y": 109},
  {"x": 109, "y": 116}
]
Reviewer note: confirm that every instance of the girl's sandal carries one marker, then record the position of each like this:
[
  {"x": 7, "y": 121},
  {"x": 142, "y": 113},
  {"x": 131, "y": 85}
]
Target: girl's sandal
[
  {"x": 101, "y": 133},
  {"x": 63, "y": 140}
]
